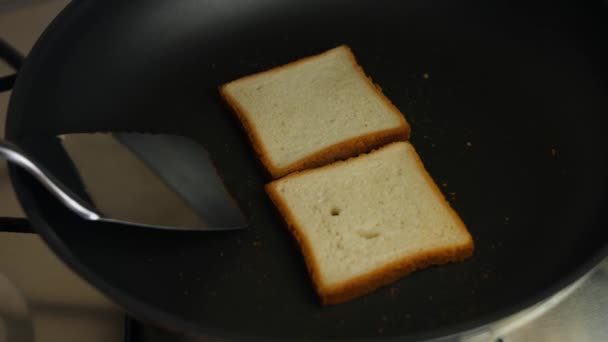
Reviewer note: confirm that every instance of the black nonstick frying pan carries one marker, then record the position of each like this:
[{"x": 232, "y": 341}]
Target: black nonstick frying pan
[{"x": 508, "y": 103}]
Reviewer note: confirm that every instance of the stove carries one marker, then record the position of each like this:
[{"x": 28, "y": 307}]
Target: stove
[{"x": 42, "y": 300}]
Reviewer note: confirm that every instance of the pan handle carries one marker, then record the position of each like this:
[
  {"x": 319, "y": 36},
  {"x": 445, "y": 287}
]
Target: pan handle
[
  {"x": 15, "y": 225},
  {"x": 13, "y": 58}
]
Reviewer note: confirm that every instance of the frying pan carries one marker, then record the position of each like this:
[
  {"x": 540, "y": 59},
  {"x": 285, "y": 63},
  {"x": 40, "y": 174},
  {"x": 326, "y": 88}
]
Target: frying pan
[{"x": 507, "y": 102}]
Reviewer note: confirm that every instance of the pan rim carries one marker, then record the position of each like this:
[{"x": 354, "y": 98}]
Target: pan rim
[
  {"x": 152, "y": 314},
  {"x": 149, "y": 313}
]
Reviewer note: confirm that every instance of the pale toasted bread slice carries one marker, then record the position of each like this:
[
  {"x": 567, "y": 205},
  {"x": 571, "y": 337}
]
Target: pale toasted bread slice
[
  {"x": 313, "y": 111},
  {"x": 367, "y": 221}
]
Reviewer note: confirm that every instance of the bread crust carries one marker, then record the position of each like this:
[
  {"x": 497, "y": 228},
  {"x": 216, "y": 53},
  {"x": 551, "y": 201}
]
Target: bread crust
[
  {"x": 344, "y": 149},
  {"x": 366, "y": 283}
]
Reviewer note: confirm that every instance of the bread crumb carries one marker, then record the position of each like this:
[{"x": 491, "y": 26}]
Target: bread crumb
[
  {"x": 426, "y": 76},
  {"x": 469, "y": 144},
  {"x": 444, "y": 184}
]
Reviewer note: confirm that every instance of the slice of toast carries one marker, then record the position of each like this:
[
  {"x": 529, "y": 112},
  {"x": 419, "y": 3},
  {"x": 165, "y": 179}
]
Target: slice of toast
[
  {"x": 313, "y": 111},
  {"x": 367, "y": 221}
]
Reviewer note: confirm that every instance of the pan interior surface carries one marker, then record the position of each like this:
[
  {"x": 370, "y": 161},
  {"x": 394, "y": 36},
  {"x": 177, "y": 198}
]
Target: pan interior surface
[{"x": 507, "y": 102}]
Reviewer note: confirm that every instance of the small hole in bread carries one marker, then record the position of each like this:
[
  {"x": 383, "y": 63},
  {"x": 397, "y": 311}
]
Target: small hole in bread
[
  {"x": 368, "y": 235},
  {"x": 335, "y": 211}
]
